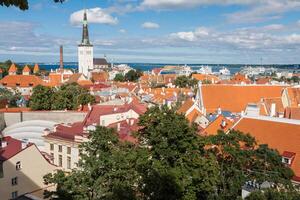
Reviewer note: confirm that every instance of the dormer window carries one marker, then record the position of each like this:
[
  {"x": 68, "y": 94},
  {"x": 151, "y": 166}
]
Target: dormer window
[
  {"x": 288, "y": 157},
  {"x": 5, "y": 84},
  {"x": 18, "y": 165},
  {"x": 30, "y": 84},
  {"x": 17, "y": 84}
]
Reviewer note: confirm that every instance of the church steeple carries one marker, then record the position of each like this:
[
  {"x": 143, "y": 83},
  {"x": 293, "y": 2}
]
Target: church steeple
[{"x": 85, "y": 31}]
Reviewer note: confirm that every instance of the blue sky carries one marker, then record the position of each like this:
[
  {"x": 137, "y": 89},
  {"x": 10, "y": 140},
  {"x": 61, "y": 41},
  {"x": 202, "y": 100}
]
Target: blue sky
[{"x": 156, "y": 31}]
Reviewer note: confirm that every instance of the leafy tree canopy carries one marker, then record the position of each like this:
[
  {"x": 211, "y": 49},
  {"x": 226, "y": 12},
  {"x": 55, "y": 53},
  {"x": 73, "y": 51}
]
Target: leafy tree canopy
[
  {"x": 119, "y": 78},
  {"x": 184, "y": 81},
  {"x": 21, "y": 4},
  {"x": 133, "y": 75},
  {"x": 272, "y": 194},
  {"x": 68, "y": 96}
]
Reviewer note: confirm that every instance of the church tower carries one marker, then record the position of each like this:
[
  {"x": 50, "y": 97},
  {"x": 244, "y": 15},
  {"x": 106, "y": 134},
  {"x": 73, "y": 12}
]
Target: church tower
[{"x": 85, "y": 51}]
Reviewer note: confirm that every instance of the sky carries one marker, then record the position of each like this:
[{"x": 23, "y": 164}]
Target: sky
[{"x": 156, "y": 31}]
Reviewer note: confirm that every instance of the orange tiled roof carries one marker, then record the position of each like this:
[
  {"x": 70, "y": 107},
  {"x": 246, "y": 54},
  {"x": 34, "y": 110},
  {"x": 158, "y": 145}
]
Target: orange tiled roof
[
  {"x": 213, "y": 127},
  {"x": 21, "y": 81},
  {"x": 84, "y": 82},
  {"x": 263, "y": 80},
  {"x": 239, "y": 78},
  {"x": 292, "y": 113},
  {"x": 192, "y": 116},
  {"x": 235, "y": 98},
  {"x": 294, "y": 96},
  {"x": 100, "y": 76},
  {"x": 12, "y": 68},
  {"x": 186, "y": 106},
  {"x": 278, "y": 104},
  {"x": 278, "y": 135},
  {"x": 36, "y": 68},
  {"x": 203, "y": 77},
  {"x": 26, "y": 69},
  {"x": 12, "y": 110}
]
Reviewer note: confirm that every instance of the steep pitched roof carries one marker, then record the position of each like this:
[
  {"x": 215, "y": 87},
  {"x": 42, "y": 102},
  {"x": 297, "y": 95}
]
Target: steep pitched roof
[
  {"x": 100, "y": 61},
  {"x": 279, "y": 134},
  {"x": 294, "y": 96},
  {"x": 26, "y": 69},
  {"x": 36, "y": 68},
  {"x": 12, "y": 68},
  {"x": 235, "y": 98}
]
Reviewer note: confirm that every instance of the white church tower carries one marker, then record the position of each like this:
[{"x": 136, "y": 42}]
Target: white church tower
[{"x": 85, "y": 51}]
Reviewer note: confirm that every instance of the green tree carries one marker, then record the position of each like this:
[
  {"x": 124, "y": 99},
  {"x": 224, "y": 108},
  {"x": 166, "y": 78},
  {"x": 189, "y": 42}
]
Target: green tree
[
  {"x": 184, "y": 81},
  {"x": 41, "y": 98},
  {"x": 271, "y": 194},
  {"x": 172, "y": 165},
  {"x": 119, "y": 78},
  {"x": 21, "y": 4},
  {"x": 106, "y": 171},
  {"x": 9, "y": 97},
  {"x": 70, "y": 97},
  {"x": 133, "y": 75},
  {"x": 241, "y": 159}
]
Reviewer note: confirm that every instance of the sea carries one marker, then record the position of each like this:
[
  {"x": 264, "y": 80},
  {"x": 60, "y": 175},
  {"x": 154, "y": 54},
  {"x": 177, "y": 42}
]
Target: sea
[{"x": 233, "y": 68}]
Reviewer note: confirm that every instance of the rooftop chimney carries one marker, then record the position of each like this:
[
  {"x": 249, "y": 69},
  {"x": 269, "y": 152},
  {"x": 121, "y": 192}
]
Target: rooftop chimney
[
  {"x": 3, "y": 144},
  {"x": 61, "y": 60},
  {"x": 24, "y": 143},
  {"x": 118, "y": 127},
  {"x": 273, "y": 110}
]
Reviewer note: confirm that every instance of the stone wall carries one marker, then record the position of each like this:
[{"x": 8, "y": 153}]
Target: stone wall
[{"x": 56, "y": 116}]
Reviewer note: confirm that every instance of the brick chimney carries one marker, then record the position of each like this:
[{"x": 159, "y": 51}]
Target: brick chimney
[{"x": 61, "y": 60}]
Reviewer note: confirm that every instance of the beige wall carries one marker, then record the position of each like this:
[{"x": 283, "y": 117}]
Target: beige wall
[
  {"x": 105, "y": 120},
  {"x": 285, "y": 98},
  {"x": 30, "y": 178},
  {"x": 65, "y": 144}
]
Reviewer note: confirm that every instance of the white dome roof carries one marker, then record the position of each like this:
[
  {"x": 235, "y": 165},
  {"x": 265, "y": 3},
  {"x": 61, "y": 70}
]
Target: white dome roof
[{"x": 31, "y": 130}]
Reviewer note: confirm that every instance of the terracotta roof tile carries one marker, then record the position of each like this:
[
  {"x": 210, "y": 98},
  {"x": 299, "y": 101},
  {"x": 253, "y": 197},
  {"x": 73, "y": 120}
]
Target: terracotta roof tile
[
  {"x": 21, "y": 81},
  {"x": 217, "y": 124},
  {"x": 235, "y": 98},
  {"x": 278, "y": 135},
  {"x": 12, "y": 68},
  {"x": 36, "y": 68},
  {"x": 26, "y": 69},
  {"x": 12, "y": 148},
  {"x": 186, "y": 106},
  {"x": 203, "y": 77}
]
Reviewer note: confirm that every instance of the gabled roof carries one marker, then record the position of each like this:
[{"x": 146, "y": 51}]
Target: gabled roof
[
  {"x": 203, "y": 77},
  {"x": 36, "y": 68},
  {"x": 12, "y": 68},
  {"x": 26, "y": 69},
  {"x": 292, "y": 113},
  {"x": 213, "y": 127},
  {"x": 294, "y": 96},
  {"x": 280, "y": 134},
  {"x": 13, "y": 147},
  {"x": 235, "y": 98}
]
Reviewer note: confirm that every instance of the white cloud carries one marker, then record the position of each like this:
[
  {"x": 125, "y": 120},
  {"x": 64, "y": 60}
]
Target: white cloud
[
  {"x": 95, "y": 15},
  {"x": 263, "y": 11},
  {"x": 177, "y": 4},
  {"x": 150, "y": 25},
  {"x": 122, "y": 31}
]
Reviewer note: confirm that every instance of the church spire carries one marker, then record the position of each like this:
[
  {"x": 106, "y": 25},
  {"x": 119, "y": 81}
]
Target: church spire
[{"x": 85, "y": 31}]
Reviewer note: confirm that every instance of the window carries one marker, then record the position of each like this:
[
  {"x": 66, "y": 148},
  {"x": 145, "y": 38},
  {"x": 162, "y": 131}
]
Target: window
[
  {"x": 60, "y": 160},
  {"x": 52, "y": 156},
  {"x": 103, "y": 122},
  {"x": 17, "y": 84},
  {"x": 51, "y": 147},
  {"x": 59, "y": 148},
  {"x": 14, "y": 181},
  {"x": 18, "y": 165},
  {"x": 286, "y": 160},
  {"x": 69, "y": 150},
  {"x": 14, "y": 194},
  {"x": 69, "y": 162}
]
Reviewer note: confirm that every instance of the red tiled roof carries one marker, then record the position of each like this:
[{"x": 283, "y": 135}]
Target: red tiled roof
[
  {"x": 278, "y": 135},
  {"x": 67, "y": 132},
  {"x": 16, "y": 109},
  {"x": 98, "y": 110},
  {"x": 185, "y": 106},
  {"x": 13, "y": 147},
  {"x": 205, "y": 77},
  {"x": 235, "y": 98}
]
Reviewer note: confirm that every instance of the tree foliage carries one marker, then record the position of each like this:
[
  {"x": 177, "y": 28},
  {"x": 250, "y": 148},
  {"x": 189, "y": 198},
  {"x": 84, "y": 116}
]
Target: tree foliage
[
  {"x": 106, "y": 171},
  {"x": 133, "y": 75},
  {"x": 170, "y": 162},
  {"x": 8, "y": 97},
  {"x": 68, "y": 96},
  {"x": 119, "y": 78},
  {"x": 184, "y": 81},
  {"x": 271, "y": 194},
  {"x": 21, "y": 4},
  {"x": 241, "y": 160}
]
